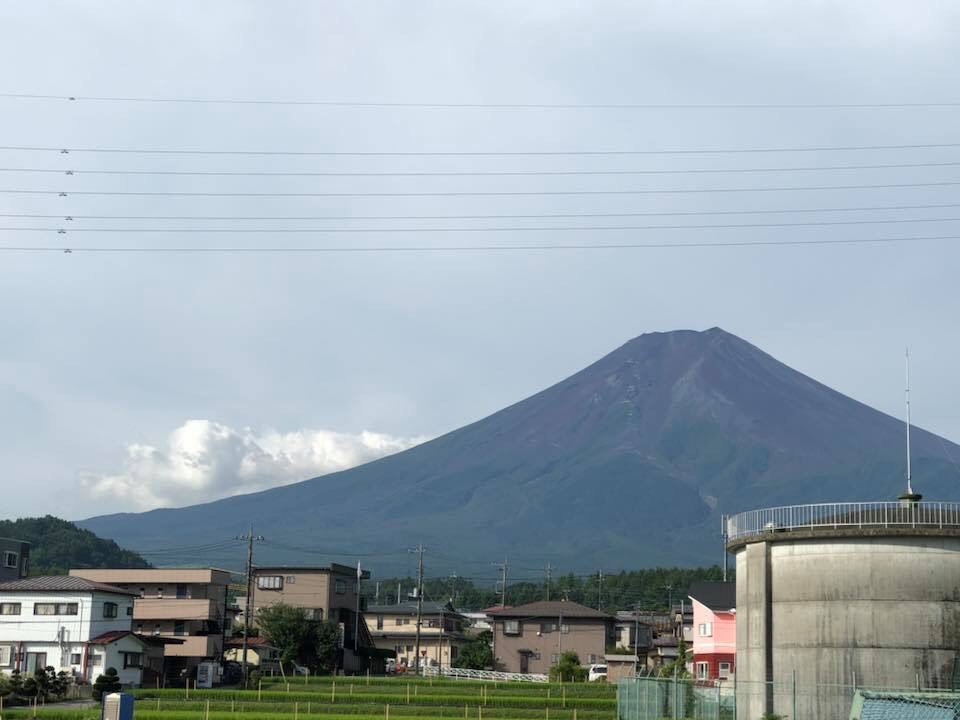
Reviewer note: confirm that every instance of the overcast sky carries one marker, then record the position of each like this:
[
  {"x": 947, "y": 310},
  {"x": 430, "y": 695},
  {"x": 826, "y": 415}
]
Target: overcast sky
[{"x": 130, "y": 381}]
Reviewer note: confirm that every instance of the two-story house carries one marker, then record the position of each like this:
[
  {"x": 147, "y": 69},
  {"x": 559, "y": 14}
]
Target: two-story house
[
  {"x": 329, "y": 593},
  {"x": 75, "y": 625},
  {"x": 187, "y": 604},
  {"x": 14, "y": 559},
  {"x": 530, "y": 638},
  {"x": 394, "y": 628},
  {"x": 714, "y": 630}
]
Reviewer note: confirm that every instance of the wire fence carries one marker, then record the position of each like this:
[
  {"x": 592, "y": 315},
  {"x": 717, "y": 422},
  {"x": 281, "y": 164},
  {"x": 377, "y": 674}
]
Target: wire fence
[{"x": 687, "y": 699}]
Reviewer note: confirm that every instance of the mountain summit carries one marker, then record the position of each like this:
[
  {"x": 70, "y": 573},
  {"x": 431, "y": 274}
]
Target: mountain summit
[{"x": 628, "y": 463}]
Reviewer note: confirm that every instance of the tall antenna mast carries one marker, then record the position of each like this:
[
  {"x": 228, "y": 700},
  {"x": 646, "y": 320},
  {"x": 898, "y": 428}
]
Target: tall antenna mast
[{"x": 909, "y": 496}]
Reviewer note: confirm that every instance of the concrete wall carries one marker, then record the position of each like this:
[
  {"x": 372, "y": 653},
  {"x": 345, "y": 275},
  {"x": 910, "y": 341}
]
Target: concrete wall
[{"x": 875, "y": 611}]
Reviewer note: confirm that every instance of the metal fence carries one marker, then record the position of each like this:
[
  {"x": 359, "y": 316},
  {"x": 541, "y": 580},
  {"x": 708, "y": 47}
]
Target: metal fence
[
  {"x": 687, "y": 699},
  {"x": 848, "y": 514}
]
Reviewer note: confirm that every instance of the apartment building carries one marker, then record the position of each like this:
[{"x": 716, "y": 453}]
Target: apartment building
[
  {"x": 14, "y": 559},
  {"x": 328, "y": 594},
  {"x": 188, "y": 604},
  {"x": 530, "y": 638},
  {"x": 74, "y": 625},
  {"x": 394, "y": 630}
]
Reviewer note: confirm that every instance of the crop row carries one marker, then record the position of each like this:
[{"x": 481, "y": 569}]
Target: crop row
[{"x": 93, "y": 713}]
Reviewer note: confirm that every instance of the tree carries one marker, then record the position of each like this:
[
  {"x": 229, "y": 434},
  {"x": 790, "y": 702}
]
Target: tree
[
  {"x": 290, "y": 631},
  {"x": 6, "y": 687},
  {"x": 327, "y": 646},
  {"x": 109, "y": 682},
  {"x": 678, "y": 665},
  {"x": 568, "y": 668},
  {"x": 476, "y": 654},
  {"x": 60, "y": 684}
]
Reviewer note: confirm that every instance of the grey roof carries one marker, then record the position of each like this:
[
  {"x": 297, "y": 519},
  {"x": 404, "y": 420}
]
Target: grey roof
[
  {"x": 410, "y": 608},
  {"x": 551, "y": 609},
  {"x": 720, "y": 597},
  {"x": 61, "y": 583}
]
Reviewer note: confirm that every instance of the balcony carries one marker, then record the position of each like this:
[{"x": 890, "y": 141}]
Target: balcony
[
  {"x": 851, "y": 516},
  {"x": 194, "y": 646},
  {"x": 173, "y": 609}
]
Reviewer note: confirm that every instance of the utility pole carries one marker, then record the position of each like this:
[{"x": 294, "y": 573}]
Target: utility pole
[
  {"x": 549, "y": 573},
  {"x": 376, "y": 600},
  {"x": 669, "y": 589},
  {"x": 398, "y": 593},
  {"x": 503, "y": 581},
  {"x": 356, "y": 616},
  {"x": 636, "y": 631},
  {"x": 419, "y": 551},
  {"x": 248, "y": 609},
  {"x": 600, "y": 590}
]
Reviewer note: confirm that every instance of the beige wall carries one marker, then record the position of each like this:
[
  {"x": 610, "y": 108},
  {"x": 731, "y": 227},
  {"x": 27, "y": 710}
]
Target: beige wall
[
  {"x": 438, "y": 652},
  {"x": 153, "y": 576},
  {"x": 587, "y": 638},
  {"x": 305, "y": 588}
]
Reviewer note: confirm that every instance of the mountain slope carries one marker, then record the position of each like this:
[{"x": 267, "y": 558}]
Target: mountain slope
[
  {"x": 57, "y": 545},
  {"x": 627, "y": 463}
]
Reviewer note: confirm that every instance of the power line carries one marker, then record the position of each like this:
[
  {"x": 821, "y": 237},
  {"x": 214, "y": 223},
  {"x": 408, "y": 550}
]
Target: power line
[
  {"x": 498, "y": 216},
  {"x": 465, "y": 248},
  {"x": 445, "y": 105},
  {"x": 62, "y": 150},
  {"x": 477, "y": 193},
  {"x": 475, "y": 173},
  {"x": 519, "y": 228}
]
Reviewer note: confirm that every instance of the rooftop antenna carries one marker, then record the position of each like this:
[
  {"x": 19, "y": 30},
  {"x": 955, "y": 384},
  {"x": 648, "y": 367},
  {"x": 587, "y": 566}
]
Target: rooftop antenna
[{"x": 909, "y": 496}]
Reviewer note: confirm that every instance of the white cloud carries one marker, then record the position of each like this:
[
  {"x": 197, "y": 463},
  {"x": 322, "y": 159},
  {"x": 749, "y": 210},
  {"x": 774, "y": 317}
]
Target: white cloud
[{"x": 204, "y": 460}]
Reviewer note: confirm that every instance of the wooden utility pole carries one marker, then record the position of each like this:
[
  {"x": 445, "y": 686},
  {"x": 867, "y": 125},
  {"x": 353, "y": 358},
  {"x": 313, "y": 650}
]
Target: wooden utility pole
[
  {"x": 248, "y": 609},
  {"x": 419, "y": 551}
]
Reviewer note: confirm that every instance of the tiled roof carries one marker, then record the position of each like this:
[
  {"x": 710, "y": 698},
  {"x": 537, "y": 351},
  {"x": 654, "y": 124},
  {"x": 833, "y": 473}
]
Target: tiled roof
[
  {"x": 253, "y": 643},
  {"x": 551, "y": 609},
  {"x": 113, "y": 636},
  {"x": 716, "y": 596},
  {"x": 61, "y": 583}
]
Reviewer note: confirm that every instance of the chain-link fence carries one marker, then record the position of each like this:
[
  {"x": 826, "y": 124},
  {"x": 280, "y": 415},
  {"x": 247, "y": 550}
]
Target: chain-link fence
[{"x": 685, "y": 699}]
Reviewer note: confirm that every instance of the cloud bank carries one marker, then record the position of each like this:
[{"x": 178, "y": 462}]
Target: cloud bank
[{"x": 204, "y": 460}]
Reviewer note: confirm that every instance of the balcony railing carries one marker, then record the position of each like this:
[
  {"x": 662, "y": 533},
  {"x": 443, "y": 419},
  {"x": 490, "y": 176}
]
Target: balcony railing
[{"x": 930, "y": 515}]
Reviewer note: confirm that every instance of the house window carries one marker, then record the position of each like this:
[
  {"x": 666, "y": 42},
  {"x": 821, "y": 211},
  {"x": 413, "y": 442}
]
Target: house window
[
  {"x": 340, "y": 587},
  {"x": 315, "y": 614},
  {"x": 55, "y": 608},
  {"x": 74, "y": 658},
  {"x": 96, "y": 660},
  {"x": 270, "y": 582},
  {"x": 547, "y": 628},
  {"x": 109, "y": 610},
  {"x": 591, "y": 659},
  {"x": 6, "y": 656},
  {"x": 454, "y": 652},
  {"x": 403, "y": 621},
  {"x": 179, "y": 628},
  {"x": 706, "y": 629},
  {"x": 291, "y": 579},
  {"x": 11, "y": 559},
  {"x": 703, "y": 670},
  {"x": 565, "y": 629},
  {"x": 511, "y": 627},
  {"x": 9, "y": 608},
  {"x": 132, "y": 660},
  {"x": 554, "y": 659},
  {"x": 724, "y": 670},
  {"x": 129, "y": 610}
]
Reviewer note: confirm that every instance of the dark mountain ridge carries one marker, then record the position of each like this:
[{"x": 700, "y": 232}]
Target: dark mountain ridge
[{"x": 626, "y": 463}]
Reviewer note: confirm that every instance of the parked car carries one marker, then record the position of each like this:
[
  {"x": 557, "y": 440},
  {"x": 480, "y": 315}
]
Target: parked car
[{"x": 597, "y": 672}]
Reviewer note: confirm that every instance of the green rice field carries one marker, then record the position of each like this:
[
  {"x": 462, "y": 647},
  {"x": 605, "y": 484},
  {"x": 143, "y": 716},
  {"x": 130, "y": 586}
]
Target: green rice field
[{"x": 360, "y": 698}]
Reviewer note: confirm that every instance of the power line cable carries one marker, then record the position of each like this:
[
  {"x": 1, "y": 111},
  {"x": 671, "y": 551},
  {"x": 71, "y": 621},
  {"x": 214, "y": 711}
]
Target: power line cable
[
  {"x": 421, "y": 230},
  {"x": 476, "y": 193},
  {"x": 464, "y": 248},
  {"x": 484, "y": 106},
  {"x": 497, "y": 216},
  {"x": 63, "y": 150},
  {"x": 474, "y": 173}
]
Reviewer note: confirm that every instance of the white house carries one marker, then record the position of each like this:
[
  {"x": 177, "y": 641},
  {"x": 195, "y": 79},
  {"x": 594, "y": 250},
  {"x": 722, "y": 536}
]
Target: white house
[{"x": 71, "y": 624}]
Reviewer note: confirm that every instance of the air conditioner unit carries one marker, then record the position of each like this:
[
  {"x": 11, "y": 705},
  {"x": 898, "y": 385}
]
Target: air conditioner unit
[{"x": 117, "y": 706}]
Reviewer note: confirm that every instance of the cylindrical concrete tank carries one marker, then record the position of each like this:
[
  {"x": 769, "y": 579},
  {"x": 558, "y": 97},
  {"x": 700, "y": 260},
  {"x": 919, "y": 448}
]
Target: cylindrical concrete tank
[{"x": 832, "y": 596}]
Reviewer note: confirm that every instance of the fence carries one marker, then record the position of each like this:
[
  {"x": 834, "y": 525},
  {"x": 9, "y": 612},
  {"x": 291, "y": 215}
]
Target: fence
[
  {"x": 687, "y": 699},
  {"x": 850, "y": 514},
  {"x": 466, "y": 674}
]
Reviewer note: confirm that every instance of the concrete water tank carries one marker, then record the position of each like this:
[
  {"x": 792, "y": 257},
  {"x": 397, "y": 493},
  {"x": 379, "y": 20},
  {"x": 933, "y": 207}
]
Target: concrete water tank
[{"x": 836, "y": 595}]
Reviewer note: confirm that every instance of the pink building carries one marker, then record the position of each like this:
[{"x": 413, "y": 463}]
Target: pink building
[{"x": 714, "y": 630}]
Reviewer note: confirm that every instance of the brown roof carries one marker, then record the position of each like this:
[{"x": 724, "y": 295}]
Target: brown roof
[
  {"x": 551, "y": 609},
  {"x": 61, "y": 583},
  {"x": 114, "y": 635}
]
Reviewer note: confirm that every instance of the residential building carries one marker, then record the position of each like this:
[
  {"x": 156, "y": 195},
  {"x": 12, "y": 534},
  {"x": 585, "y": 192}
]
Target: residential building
[
  {"x": 634, "y": 631},
  {"x": 260, "y": 653},
  {"x": 442, "y": 632},
  {"x": 530, "y": 638},
  {"x": 327, "y": 593},
  {"x": 189, "y": 604},
  {"x": 714, "y": 630},
  {"x": 75, "y": 625},
  {"x": 14, "y": 559},
  {"x": 478, "y": 621}
]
